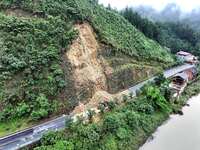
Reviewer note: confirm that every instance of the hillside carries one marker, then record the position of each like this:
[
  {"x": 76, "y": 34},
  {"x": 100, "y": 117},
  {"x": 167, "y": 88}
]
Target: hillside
[
  {"x": 57, "y": 53},
  {"x": 174, "y": 35}
]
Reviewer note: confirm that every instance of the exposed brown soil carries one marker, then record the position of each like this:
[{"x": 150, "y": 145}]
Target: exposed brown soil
[
  {"x": 92, "y": 77},
  {"x": 83, "y": 56}
]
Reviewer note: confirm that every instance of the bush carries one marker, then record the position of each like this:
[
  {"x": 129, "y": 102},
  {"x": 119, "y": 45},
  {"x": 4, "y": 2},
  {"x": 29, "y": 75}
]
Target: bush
[
  {"x": 122, "y": 134},
  {"x": 111, "y": 105},
  {"x": 132, "y": 119},
  {"x": 7, "y": 113},
  {"x": 30, "y": 59},
  {"x": 50, "y": 138},
  {"x": 42, "y": 108},
  {"x": 23, "y": 110},
  {"x": 112, "y": 123},
  {"x": 156, "y": 99},
  {"x": 109, "y": 143},
  {"x": 160, "y": 79},
  {"x": 142, "y": 105},
  {"x": 64, "y": 145},
  {"x": 39, "y": 114}
]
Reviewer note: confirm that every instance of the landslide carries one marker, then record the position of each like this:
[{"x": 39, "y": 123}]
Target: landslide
[
  {"x": 57, "y": 53},
  {"x": 95, "y": 70}
]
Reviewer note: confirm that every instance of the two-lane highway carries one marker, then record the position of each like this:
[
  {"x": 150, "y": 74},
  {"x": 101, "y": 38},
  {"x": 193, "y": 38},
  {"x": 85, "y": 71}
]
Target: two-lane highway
[{"x": 34, "y": 134}]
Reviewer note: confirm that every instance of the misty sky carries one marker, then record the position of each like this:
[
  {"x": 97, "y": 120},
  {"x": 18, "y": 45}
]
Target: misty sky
[{"x": 185, "y": 5}]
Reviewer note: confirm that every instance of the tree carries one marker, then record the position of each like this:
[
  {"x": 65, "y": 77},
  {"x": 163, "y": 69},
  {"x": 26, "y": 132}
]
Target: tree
[
  {"x": 64, "y": 145},
  {"x": 112, "y": 123},
  {"x": 146, "y": 26},
  {"x": 109, "y": 143},
  {"x": 23, "y": 110},
  {"x": 41, "y": 109},
  {"x": 157, "y": 100},
  {"x": 111, "y": 105},
  {"x": 160, "y": 79}
]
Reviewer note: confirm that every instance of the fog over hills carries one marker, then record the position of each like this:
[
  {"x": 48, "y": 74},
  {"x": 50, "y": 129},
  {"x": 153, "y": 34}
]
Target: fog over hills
[
  {"x": 171, "y": 13},
  {"x": 187, "y": 11}
]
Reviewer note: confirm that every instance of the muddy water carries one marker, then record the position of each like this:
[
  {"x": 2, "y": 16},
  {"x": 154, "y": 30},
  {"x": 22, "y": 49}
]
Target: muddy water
[{"x": 179, "y": 132}]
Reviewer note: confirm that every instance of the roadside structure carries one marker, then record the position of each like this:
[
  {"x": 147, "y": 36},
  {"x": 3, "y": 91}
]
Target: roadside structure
[
  {"x": 180, "y": 80},
  {"x": 187, "y": 57}
]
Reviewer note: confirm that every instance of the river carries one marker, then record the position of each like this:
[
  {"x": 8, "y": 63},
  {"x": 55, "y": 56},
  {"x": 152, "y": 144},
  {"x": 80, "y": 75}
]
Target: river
[{"x": 179, "y": 132}]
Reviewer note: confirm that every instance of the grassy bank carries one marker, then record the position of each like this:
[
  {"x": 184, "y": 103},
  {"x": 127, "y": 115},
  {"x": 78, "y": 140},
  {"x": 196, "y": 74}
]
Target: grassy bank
[{"x": 13, "y": 126}]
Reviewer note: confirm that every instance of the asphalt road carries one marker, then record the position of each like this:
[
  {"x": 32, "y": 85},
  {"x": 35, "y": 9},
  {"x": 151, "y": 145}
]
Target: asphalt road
[
  {"x": 168, "y": 73},
  {"x": 34, "y": 134}
]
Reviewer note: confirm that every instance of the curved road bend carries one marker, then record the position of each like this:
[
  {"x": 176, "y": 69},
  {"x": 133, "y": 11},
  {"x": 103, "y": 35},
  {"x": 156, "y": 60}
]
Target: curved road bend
[{"x": 34, "y": 134}]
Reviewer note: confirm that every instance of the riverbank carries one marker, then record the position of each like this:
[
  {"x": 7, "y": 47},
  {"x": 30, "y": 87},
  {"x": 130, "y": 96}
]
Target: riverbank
[
  {"x": 191, "y": 90},
  {"x": 178, "y": 132},
  {"x": 124, "y": 127}
]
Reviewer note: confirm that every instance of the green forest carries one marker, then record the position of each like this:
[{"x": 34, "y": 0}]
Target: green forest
[
  {"x": 174, "y": 35},
  {"x": 32, "y": 47},
  {"x": 123, "y": 127},
  {"x": 36, "y": 79}
]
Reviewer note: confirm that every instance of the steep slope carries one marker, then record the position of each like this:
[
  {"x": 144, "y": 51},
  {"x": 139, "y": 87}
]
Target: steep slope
[
  {"x": 119, "y": 33},
  {"x": 87, "y": 72},
  {"x": 174, "y": 35},
  {"x": 57, "y": 53},
  {"x": 83, "y": 57},
  {"x": 111, "y": 28}
]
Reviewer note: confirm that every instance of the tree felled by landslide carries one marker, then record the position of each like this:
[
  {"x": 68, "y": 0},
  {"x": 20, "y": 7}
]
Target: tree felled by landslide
[{"x": 30, "y": 65}]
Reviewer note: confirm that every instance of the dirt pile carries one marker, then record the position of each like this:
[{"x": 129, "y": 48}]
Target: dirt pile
[
  {"x": 93, "y": 77},
  {"x": 83, "y": 57}
]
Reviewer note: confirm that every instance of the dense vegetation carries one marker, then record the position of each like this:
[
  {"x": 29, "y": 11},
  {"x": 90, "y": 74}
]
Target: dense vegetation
[
  {"x": 31, "y": 49},
  {"x": 124, "y": 127},
  {"x": 172, "y": 13},
  {"x": 110, "y": 26},
  {"x": 178, "y": 36},
  {"x": 32, "y": 76},
  {"x": 32, "y": 46},
  {"x": 149, "y": 28},
  {"x": 30, "y": 65},
  {"x": 174, "y": 35}
]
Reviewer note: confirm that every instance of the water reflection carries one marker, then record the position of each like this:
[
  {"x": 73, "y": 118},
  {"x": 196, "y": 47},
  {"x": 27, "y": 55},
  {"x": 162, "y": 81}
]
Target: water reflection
[{"x": 180, "y": 132}]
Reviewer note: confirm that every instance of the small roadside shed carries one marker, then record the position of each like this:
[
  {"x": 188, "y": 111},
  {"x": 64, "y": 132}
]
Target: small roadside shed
[{"x": 180, "y": 78}]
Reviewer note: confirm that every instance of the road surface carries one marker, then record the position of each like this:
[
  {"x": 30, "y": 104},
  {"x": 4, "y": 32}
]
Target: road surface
[
  {"x": 34, "y": 134},
  {"x": 167, "y": 74}
]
